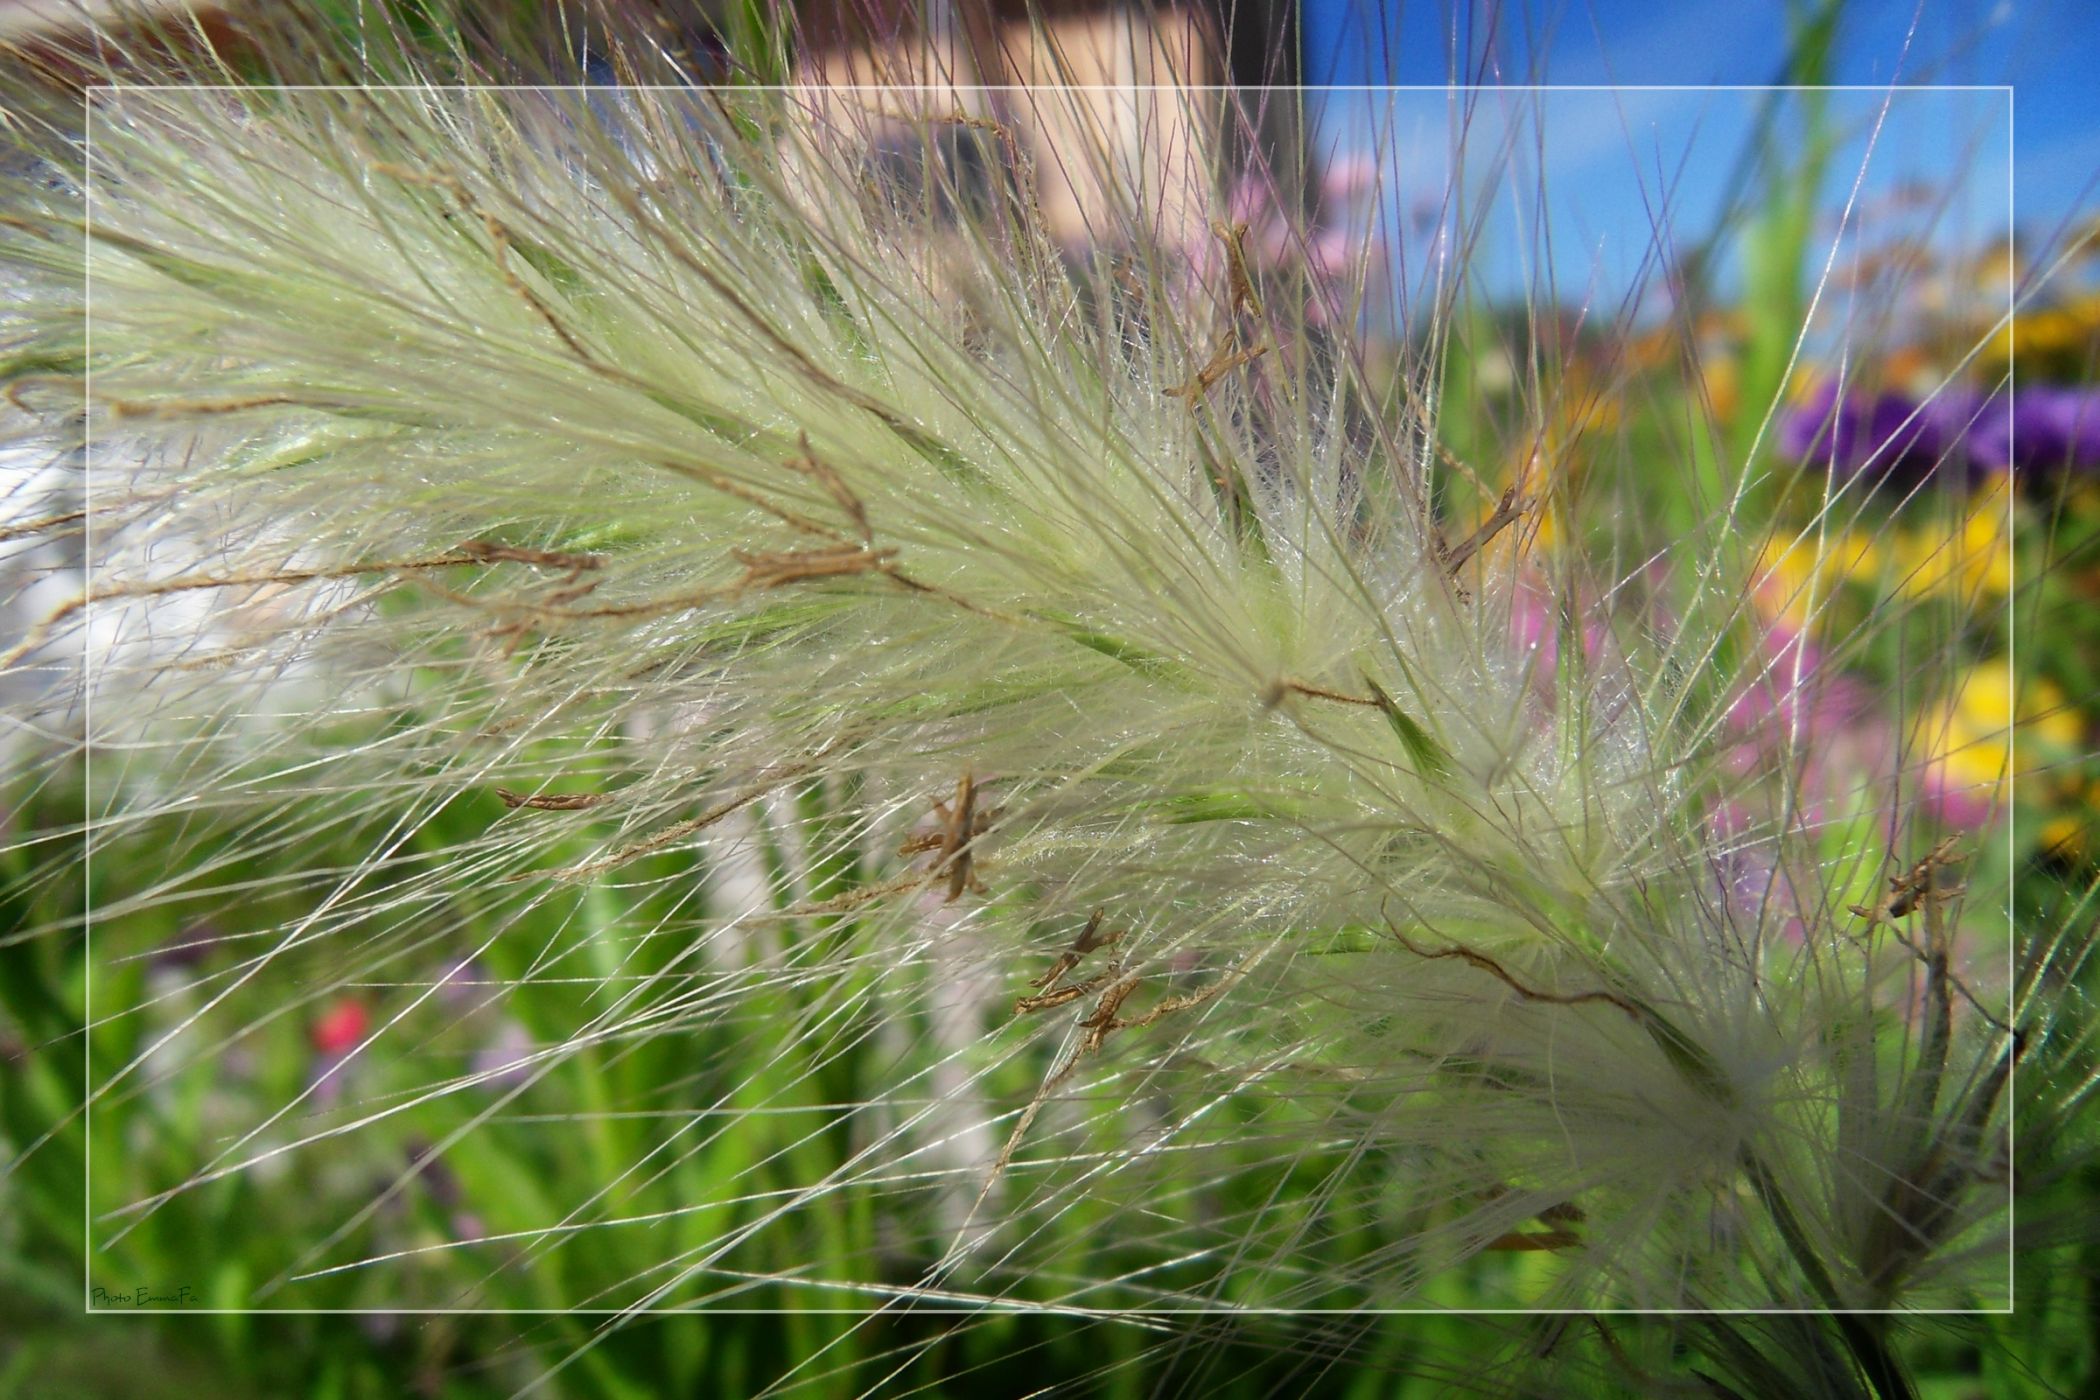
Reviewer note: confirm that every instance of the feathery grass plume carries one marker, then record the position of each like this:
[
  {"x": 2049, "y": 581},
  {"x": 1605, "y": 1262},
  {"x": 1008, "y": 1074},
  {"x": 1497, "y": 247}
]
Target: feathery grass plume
[{"x": 810, "y": 698}]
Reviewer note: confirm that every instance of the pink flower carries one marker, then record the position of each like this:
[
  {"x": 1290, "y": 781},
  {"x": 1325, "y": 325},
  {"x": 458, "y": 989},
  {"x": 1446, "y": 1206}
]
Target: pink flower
[
  {"x": 1326, "y": 251},
  {"x": 1793, "y": 695}
]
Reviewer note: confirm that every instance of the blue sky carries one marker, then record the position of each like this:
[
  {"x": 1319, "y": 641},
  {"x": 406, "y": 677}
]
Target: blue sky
[
  {"x": 2047, "y": 50},
  {"x": 1605, "y": 168}
]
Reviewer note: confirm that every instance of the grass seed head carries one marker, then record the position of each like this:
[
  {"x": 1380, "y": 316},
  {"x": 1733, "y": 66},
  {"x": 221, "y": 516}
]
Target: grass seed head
[{"x": 711, "y": 475}]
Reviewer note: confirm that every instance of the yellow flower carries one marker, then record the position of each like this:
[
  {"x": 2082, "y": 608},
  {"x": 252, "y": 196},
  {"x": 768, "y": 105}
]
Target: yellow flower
[
  {"x": 2048, "y": 720},
  {"x": 2069, "y": 834},
  {"x": 1976, "y": 734},
  {"x": 2067, "y": 330},
  {"x": 1985, "y": 698},
  {"x": 1970, "y": 557},
  {"x": 1969, "y": 759},
  {"x": 1722, "y": 384},
  {"x": 1985, "y": 702},
  {"x": 1795, "y": 577},
  {"x": 2063, "y": 835}
]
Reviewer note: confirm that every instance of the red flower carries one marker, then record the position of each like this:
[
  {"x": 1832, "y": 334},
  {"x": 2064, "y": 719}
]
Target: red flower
[{"x": 341, "y": 1026}]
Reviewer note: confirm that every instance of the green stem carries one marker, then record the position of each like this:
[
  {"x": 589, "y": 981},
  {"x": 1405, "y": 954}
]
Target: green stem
[{"x": 1869, "y": 1348}]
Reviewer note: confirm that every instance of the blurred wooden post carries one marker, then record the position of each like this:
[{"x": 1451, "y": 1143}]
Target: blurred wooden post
[{"x": 1110, "y": 102}]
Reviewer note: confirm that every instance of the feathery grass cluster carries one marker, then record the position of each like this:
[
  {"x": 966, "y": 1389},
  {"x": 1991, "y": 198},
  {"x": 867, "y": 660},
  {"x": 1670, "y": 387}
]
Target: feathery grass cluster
[{"x": 1001, "y": 750}]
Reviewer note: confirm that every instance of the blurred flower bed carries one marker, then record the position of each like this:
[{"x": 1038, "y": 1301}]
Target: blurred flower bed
[
  {"x": 1947, "y": 470},
  {"x": 1980, "y": 478}
]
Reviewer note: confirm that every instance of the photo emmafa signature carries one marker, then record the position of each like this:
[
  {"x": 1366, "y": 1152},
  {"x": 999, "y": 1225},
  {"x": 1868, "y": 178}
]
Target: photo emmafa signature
[{"x": 141, "y": 1297}]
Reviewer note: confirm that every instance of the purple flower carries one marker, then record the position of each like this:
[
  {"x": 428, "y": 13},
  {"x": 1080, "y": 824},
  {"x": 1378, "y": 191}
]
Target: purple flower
[
  {"x": 2050, "y": 428},
  {"x": 1755, "y": 892},
  {"x": 1885, "y": 434},
  {"x": 507, "y": 1057},
  {"x": 327, "y": 1076},
  {"x": 188, "y": 948}
]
